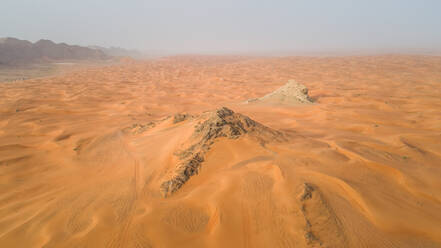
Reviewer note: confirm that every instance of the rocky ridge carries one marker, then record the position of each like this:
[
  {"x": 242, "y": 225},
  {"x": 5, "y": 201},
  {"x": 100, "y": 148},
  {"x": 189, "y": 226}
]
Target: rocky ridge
[{"x": 220, "y": 123}]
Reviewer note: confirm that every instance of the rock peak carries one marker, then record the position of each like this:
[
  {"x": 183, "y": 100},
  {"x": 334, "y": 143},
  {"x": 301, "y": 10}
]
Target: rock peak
[
  {"x": 290, "y": 93},
  {"x": 224, "y": 112}
]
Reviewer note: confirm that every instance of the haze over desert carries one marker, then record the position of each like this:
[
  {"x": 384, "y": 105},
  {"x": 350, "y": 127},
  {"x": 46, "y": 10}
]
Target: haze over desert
[{"x": 214, "y": 124}]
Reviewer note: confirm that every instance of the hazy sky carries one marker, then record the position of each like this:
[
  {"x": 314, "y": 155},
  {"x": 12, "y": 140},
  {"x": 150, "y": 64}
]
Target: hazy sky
[{"x": 229, "y": 26}]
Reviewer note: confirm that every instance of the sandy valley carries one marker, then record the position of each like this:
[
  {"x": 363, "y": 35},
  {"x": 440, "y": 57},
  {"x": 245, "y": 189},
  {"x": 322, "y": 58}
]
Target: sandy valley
[{"x": 171, "y": 153}]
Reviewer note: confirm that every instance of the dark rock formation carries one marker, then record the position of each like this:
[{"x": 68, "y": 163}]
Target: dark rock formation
[
  {"x": 180, "y": 117},
  {"x": 307, "y": 191},
  {"x": 221, "y": 123}
]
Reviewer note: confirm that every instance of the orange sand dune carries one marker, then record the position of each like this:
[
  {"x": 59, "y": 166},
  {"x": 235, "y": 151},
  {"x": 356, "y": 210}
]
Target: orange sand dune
[{"x": 83, "y": 155}]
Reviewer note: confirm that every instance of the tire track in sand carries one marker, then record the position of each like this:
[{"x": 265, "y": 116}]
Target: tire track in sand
[{"x": 122, "y": 237}]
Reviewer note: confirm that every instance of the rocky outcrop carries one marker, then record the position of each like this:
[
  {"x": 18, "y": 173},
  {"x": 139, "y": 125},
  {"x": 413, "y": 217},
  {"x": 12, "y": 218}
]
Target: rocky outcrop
[
  {"x": 221, "y": 123},
  {"x": 322, "y": 226},
  {"x": 180, "y": 117},
  {"x": 307, "y": 191},
  {"x": 183, "y": 172},
  {"x": 224, "y": 123},
  {"x": 138, "y": 128},
  {"x": 291, "y": 93}
]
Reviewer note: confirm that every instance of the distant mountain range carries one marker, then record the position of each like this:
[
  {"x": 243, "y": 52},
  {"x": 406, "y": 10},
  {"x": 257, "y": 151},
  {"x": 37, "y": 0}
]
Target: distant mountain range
[
  {"x": 14, "y": 51},
  {"x": 17, "y": 52}
]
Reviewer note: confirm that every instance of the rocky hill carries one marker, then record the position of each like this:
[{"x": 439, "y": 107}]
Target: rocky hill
[
  {"x": 290, "y": 93},
  {"x": 221, "y": 123},
  {"x": 16, "y": 52}
]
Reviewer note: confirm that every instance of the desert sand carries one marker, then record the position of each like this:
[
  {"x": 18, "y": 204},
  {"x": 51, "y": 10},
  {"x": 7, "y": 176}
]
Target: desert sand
[{"x": 88, "y": 158}]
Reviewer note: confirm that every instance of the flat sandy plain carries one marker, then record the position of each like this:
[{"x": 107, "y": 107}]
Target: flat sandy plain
[{"x": 83, "y": 155}]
